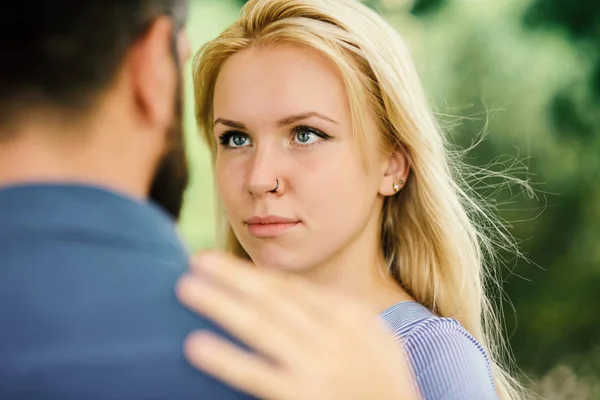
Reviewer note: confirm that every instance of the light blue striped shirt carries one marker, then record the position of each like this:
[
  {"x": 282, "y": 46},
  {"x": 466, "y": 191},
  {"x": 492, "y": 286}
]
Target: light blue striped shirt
[{"x": 448, "y": 363}]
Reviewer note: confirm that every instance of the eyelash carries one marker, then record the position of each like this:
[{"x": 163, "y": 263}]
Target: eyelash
[{"x": 225, "y": 137}]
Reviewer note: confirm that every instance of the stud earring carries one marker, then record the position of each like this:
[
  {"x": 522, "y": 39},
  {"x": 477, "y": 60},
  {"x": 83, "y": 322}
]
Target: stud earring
[{"x": 397, "y": 185}]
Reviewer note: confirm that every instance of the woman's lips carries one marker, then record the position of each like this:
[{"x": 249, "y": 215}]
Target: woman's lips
[{"x": 270, "y": 225}]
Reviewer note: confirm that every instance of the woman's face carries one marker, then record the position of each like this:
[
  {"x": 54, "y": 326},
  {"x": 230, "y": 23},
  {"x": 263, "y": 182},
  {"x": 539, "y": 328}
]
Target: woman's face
[{"x": 282, "y": 114}]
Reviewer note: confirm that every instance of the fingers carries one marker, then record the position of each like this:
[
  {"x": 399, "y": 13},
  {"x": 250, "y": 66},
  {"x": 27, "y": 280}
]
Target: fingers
[
  {"x": 305, "y": 337},
  {"x": 254, "y": 326},
  {"x": 289, "y": 296},
  {"x": 238, "y": 275},
  {"x": 225, "y": 361}
]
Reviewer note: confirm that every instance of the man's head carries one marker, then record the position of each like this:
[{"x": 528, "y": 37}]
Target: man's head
[{"x": 101, "y": 78}]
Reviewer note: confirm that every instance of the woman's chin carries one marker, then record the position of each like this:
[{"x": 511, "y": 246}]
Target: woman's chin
[{"x": 278, "y": 260}]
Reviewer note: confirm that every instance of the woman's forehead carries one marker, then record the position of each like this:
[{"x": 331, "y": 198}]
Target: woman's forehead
[{"x": 281, "y": 80}]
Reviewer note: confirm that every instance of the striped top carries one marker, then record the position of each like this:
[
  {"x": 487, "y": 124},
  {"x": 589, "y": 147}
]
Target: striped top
[{"x": 448, "y": 363}]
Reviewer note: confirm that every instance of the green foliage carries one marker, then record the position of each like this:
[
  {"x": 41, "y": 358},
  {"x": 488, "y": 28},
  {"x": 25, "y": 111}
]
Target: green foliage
[
  {"x": 424, "y": 7},
  {"x": 554, "y": 126},
  {"x": 580, "y": 19}
]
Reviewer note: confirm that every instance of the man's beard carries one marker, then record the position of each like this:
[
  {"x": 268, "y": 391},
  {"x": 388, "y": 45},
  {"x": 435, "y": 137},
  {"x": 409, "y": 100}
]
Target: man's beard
[{"x": 172, "y": 175}]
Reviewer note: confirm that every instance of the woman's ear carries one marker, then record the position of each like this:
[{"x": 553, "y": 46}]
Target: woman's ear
[{"x": 396, "y": 173}]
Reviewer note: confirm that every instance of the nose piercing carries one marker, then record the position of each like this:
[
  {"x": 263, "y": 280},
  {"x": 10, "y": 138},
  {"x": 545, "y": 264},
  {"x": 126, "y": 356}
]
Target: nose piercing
[{"x": 276, "y": 186}]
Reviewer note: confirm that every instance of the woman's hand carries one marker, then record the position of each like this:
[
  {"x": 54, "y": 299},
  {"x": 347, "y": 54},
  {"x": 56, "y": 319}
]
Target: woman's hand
[{"x": 310, "y": 344}]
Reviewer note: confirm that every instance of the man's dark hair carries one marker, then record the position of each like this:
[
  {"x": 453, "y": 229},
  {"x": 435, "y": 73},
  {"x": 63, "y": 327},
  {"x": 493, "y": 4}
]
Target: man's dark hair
[{"x": 61, "y": 53}]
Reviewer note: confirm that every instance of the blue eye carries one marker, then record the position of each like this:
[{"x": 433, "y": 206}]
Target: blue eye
[
  {"x": 237, "y": 140},
  {"x": 305, "y": 135},
  {"x": 234, "y": 139}
]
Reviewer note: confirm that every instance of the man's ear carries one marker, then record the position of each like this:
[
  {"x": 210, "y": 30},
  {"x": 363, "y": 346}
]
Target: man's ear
[
  {"x": 396, "y": 173},
  {"x": 153, "y": 73}
]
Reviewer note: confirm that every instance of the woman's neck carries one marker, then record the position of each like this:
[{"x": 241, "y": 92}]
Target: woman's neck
[{"x": 360, "y": 270}]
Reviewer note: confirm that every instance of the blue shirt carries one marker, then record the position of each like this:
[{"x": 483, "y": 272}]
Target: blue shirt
[
  {"x": 448, "y": 363},
  {"x": 87, "y": 303}
]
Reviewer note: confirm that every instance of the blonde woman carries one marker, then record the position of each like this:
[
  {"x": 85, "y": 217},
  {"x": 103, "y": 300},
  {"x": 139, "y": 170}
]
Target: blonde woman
[{"x": 330, "y": 166}]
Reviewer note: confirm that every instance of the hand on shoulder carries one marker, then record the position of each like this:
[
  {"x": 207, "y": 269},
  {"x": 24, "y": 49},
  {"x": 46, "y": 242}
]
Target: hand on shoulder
[{"x": 309, "y": 343}]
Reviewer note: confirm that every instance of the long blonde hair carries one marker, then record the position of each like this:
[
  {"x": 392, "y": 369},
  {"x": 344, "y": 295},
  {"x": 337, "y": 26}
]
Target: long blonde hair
[{"x": 436, "y": 237}]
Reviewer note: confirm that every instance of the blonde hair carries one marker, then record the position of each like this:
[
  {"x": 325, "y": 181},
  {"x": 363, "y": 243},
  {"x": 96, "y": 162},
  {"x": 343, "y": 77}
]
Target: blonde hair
[{"x": 436, "y": 237}]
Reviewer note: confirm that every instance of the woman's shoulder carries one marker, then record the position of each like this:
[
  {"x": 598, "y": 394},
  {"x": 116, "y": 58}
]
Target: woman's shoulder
[
  {"x": 404, "y": 317},
  {"x": 411, "y": 321},
  {"x": 447, "y": 360}
]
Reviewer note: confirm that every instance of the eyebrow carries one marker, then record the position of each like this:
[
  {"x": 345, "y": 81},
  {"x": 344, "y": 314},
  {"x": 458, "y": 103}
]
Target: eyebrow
[
  {"x": 299, "y": 117},
  {"x": 229, "y": 123},
  {"x": 282, "y": 122}
]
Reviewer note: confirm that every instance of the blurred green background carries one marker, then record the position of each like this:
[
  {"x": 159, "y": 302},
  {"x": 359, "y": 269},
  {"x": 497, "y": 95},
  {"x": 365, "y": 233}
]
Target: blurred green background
[{"x": 526, "y": 72}]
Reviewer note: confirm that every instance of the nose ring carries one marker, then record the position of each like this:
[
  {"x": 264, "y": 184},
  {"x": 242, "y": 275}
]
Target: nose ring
[{"x": 276, "y": 186}]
